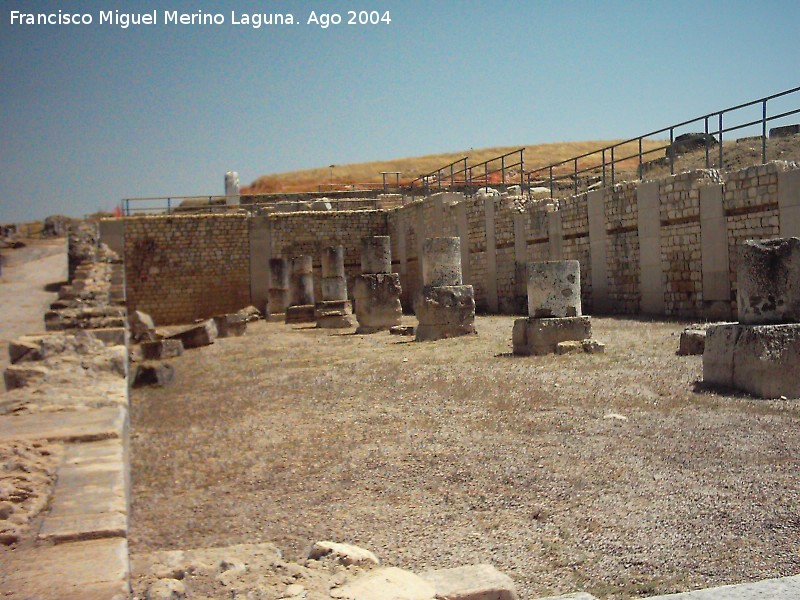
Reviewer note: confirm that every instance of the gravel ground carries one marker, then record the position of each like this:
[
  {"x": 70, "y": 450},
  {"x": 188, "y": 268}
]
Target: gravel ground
[{"x": 616, "y": 474}]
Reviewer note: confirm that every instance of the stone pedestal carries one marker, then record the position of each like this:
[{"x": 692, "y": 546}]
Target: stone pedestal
[
  {"x": 760, "y": 354},
  {"x": 334, "y": 311},
  {"x": 445, "y": 312},
  {"x": 230, "y": 325},
  {"x": 301, "y": 291},
  {"x": 536, "y": 337},
  {"x": 377, "y": 301},
  {"x": 278, "y": 291},
  {"x": 445, "y": 308}
]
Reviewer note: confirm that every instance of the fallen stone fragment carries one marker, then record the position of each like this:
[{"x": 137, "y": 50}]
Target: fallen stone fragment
[
  {"x": 474, "y": 582},
  {"x": 153, "y": 373},
  {"x": 569, "y": 347},
  {"x": 141, "y": 325},
  {"x": 593, "y": 347},
  {"x": 402, "y": 330},
  {"x": 195, "y": 336},
  {"x": 250, "y": 313},
  {"x": 346, "y": 554},
  {"x": 166, "y": 589},
  {"x": 161, "y": 349},
  {"x": 231, "y": 325}
]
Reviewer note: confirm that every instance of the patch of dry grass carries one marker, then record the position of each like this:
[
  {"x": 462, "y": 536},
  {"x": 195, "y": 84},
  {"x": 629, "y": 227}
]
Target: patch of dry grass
[{"x": 453, "y": 452}]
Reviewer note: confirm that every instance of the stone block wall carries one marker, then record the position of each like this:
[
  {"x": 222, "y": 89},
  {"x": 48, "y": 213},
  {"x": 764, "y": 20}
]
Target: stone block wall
[
  {"x": 575, "y": 234},
  {"x": 182, "y": 268}
]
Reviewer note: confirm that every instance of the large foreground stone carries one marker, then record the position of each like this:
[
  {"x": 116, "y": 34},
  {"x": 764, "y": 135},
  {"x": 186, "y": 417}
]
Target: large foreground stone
[
  {"x": 346, "y": 554},
  {"x": 541, "y": 336},
  {"x": 195, "y": 336},
  {"x": 768, "y": 281},
  {"x": 761, "y": 360},
  {"x": 66, "y": 426},
  {"x": 475, "y": 582},
  {"x": 90, "y": 570},
  {"x": 388, "y": 583}
]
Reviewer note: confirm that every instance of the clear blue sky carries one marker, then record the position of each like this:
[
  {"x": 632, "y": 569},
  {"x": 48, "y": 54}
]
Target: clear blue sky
[{"x": 94, "y": 113}]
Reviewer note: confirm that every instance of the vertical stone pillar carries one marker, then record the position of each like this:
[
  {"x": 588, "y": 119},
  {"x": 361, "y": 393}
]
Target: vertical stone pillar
[
  {"x": 463, "y": 234},
  {"x": 260, "y": 255},
  {"x": 232, "y": 188},
  {"x": 650, "y": 267},
  {"x": 491, "y": 256},
  {"x": 597, "y": 248},
  {"x": 301, "y": 291},
  {"x": 278, "y": 292},
  {"x": 714, "y": 254},
  {"x": 520, "y": 262},
  {"x": 376, "y": 291},
  {"x": 333, "y": 312},
  {"x": 445, "y": 308},
  {"x": 789, "y": 202},
  {"x": 555, "y": 235}
]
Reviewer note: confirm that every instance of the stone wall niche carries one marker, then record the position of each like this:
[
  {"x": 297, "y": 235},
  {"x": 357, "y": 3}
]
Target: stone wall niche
[{"x": 445, "y": 308}]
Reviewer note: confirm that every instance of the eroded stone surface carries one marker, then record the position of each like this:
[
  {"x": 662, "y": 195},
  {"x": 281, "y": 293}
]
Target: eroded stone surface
[
  {"x": 377, "y": 302},
  {"x": 445, "y": 311},
  {"x": 473, "y": 582},
  {"x": 540, "y": 336},
  {"x": 693, "y": 341},
  {"x": 554, "y": 289},
  {"x": 768, "y": 281},
  {"x": 195, "y": 336}
]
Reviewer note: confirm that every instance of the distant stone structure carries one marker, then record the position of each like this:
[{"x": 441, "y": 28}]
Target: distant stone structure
[
  {"x": 334, "y": 310},
  {"x": 377, "y": 290},
  {"x": 232, "y": 188},
  {"x": 445, "y": 307},
  {"x": 555, "y": 323},
  {"x": 760, "y": 354},
  {"x": 301, "y": 291}
]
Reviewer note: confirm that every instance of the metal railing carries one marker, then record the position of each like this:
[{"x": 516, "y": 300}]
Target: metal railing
[
  {"x": 713, "y": 125},
  {"x": 170, "y": 205},
  {"x": 468, "y": 178}
]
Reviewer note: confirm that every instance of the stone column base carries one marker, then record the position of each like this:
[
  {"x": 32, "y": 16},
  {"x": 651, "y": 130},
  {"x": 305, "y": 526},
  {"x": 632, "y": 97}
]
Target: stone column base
[
  {"x": 444, "y": 312},
  {"x": 302, "y": 313},
  {"x": 536, "y": 337},
  {"x": 377, "y": 300},
  {"x": 761, "y": 360},
  {"x": 333, "y": 314}
]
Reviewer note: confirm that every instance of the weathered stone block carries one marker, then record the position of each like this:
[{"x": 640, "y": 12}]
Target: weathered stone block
[
  {"x": 302, "y": 313},
  {"x": 333, "y": 314},
  {"x": 377, "y": 302},
  {"x": 232, "y": 325},
  {"x": 141, "y": 325},
  {"x": 153, "y": 373},
  {"x": 768, "y": 281},
  {"x": 445, "y": 311},
  {"x": 554, "y": 289},
  {"x": 277, "y": 301},
  {"x": 161, "y": 349},
  {"x": 194, "y": 336},
  {"x": 540, "y": 336},
  {"x": 758, "y": 359},
  {"x": 474, "y": 582},
  {"x": 441, "y": 261},
  {"x": 376, "y": 255}
]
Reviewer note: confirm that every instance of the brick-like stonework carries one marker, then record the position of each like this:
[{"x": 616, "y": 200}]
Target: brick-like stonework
[{"x": 182, "y": 268}]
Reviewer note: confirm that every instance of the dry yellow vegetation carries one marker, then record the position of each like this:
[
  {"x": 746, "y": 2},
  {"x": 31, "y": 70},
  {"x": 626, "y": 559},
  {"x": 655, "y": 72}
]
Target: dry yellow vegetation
[{"x": 536, "y": 156}]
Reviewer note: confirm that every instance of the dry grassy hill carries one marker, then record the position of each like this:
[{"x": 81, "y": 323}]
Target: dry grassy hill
[{"x": 536, "y": 156}]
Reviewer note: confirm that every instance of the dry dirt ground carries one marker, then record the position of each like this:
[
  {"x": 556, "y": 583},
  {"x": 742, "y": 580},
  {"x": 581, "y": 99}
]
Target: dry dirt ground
[
  {"x": 26, "y": 272},
  {"x": 616, "y": 474}
]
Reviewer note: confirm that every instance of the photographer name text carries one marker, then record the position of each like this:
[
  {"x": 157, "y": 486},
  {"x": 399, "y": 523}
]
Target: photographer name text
[{"x": 124, "y": 20}]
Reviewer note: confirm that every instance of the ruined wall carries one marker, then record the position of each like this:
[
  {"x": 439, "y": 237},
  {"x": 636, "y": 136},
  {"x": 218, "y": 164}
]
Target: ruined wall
[
  {"x": 181, "y": 268},
  {"x": 664, "y": 247}
]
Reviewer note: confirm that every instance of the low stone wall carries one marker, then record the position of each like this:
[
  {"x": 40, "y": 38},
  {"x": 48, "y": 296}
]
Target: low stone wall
[{"x": 64, "y": 447}]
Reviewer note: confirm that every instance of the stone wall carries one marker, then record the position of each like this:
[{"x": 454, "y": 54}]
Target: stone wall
[
  {"x": 661, "y": 247},
  {"x": 182, "y": 268}
]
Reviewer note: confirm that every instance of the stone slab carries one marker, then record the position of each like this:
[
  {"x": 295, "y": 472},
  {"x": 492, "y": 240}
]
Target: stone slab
[
  {"x": 758, "y": 359},
  {"x": 781, "y": 588},
  {"x": 195, "y": 336},
  {"x": 388, "y": 583},
  {"x": 474, "y": 582},
  {"x": 303, "y": 313},
  {"x": 88, "y": 570},
  {"x": 66, "y": 426},
  {"x": 541, "y": 336}
]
